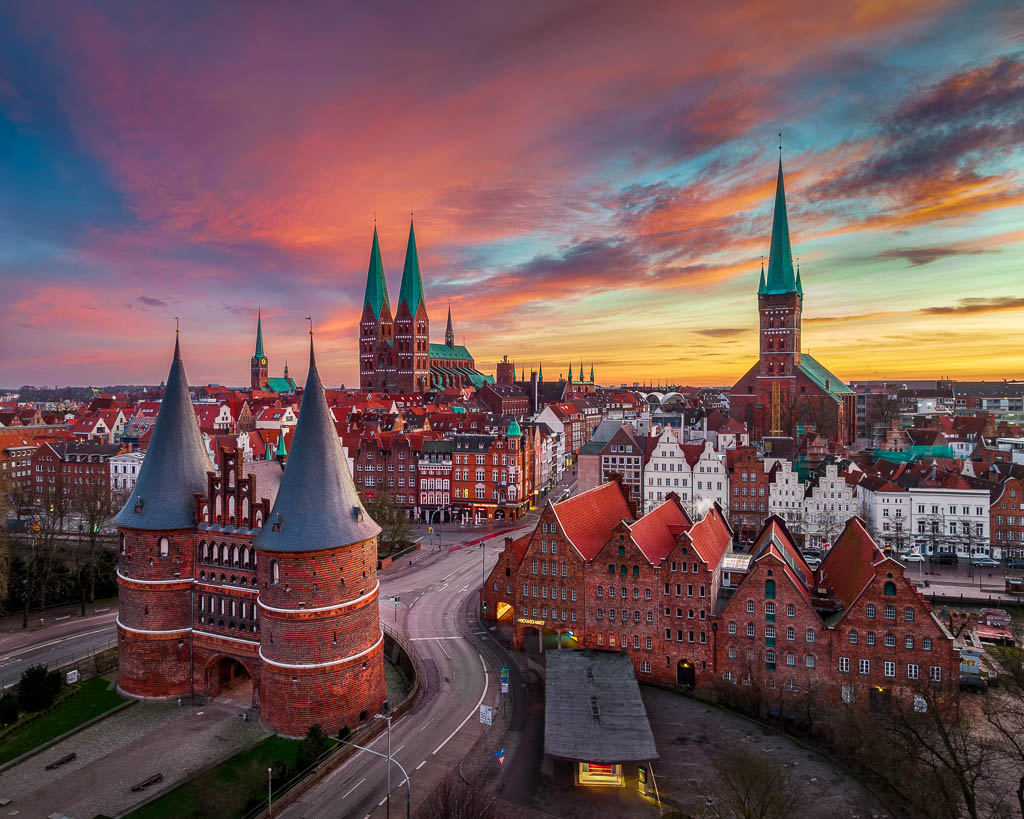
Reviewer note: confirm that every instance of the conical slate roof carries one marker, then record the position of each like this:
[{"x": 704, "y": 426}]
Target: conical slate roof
[
  {"x": 175, "y": 465},
  {"x": 412, "y": 281},
  {"x": 781, "y": 278},
  {"x": 317, "y": 506},
  {"x": 376, "y": 287}
]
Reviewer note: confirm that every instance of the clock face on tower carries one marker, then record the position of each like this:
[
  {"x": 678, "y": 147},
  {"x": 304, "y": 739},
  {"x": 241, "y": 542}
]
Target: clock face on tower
[{"x": 263, "y": 362}]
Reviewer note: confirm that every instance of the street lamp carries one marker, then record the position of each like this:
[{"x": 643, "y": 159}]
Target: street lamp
[{"x": 385, "y": 713}]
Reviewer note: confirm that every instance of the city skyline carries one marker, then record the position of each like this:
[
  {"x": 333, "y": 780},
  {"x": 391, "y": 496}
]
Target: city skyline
[{"x": 567, "y": 172}]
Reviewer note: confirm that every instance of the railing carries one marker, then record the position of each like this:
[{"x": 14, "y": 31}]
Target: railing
[{"x": 64, "y": 660}]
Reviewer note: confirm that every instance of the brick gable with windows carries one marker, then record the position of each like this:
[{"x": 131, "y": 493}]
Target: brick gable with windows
[
  {"x": 1007, "y": 519},
  {"x": 748, "y": 498}
]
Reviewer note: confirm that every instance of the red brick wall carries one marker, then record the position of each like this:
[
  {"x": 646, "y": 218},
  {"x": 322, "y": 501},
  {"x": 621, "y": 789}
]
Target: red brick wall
[{"x": 153, "y": 665}]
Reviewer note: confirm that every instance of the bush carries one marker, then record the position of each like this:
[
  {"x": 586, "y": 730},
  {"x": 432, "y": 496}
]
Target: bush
[
  {"x": 312, "y": 747},
  {"x": 8, "y": 709},
  {"x": 38, "y": 688}
]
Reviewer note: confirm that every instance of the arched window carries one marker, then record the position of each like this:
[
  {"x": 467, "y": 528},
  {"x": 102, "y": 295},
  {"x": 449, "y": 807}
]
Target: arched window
[
  {"x": 124, "y": 549},
  {"x": 275, "y": 572},
  {"x": 782, "y": 368},
  {"x": 165, "y": 548},
  {"x": 769, "y": 589},
  {"x": 204, "y": 550},
  {"x": 771, "y": 368},
  {"x": 890, "y": 588},
  {"x": 245, "y": 557},
  {"x": 218, "y": 508},
  {"x": 234, "y": 555},
  {"x": 224, "y": 554},
  {"x": 771, "y": 344},
  {"x": 231, "y": 508},
  {"x": 245, "y": 511}
]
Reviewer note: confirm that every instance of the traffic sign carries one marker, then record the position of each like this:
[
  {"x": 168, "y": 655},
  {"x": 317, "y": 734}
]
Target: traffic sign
[
  {"x": 504, "y": 686},
  {"x": 500, "y": 756},
  {"x": 486, "y": 714}
]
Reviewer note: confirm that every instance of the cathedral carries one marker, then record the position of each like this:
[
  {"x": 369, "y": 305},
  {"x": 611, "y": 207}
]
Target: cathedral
[
  {"x": 254, "y": 570},
  {"x": 787, "y": 387},
  {"x": 395, "y": 352}
]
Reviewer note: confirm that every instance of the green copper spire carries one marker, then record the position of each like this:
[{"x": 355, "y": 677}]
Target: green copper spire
[
  {"x": 762, "y": 288},
  {"x": 569, "y": 374},
  {"x": 581, "y": 370},
  {"x": 376, "y": 288},
  {"x": 412, "y": 282},
  {"x": 281, "y": 449},
  {"x": 799, "y": 285},
  {"x": 781, "y": 278},
  {"x": 591, "y": 372},
  {"x": 540, "y": 371},
  {"x": 259, "y": 335},
  {"x": 267, "y": 454}
]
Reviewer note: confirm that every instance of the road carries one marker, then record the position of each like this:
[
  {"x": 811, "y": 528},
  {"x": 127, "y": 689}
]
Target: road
[
  {"x": 57, "y": 644},
  {"x": 444, "y": 725}
]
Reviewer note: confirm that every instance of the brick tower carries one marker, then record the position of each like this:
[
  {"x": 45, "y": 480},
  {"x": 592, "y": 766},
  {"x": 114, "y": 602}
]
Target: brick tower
[
  {"x": 155, "y": 566},
  {"x": 258, "y": 370},
  {"x": 321, "y": 643},
  {"x": 412, "y": 326},
  {"x": 376, "y": 327},
  {"x": 780, "y": 299}
]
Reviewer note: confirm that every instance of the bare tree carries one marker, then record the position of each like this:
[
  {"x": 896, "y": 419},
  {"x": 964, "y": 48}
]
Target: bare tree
[
  {"x": 453, "y": 798},
  {"x": 751, "y": 786},
  {"x": 392, "y": 519},
  {"x": 96, "y": 505}
]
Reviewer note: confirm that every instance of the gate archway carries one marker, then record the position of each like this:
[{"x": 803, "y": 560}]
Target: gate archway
[{"x": 686, "y": 674}]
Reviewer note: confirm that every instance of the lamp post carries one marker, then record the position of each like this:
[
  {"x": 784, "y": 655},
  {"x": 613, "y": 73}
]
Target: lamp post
[
  {"x": 385, "y": 713},
  {"x": 270, "y": 805},
  {"x": 408, "y": 787}
]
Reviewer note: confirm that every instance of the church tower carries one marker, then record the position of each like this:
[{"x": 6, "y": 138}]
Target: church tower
[
  {"x": 412, "y": 326},
  {"x": 155, "y": 565},
  {"x": 321, "y": 642},
  {"x": 780, "y": 300},
  {"x": 376, "y": 327},
  {"x": 258, "y": 371}
]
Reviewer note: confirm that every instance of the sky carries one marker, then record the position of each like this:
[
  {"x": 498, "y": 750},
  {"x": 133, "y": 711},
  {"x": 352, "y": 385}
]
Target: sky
[{"x": 589, "y": 181}]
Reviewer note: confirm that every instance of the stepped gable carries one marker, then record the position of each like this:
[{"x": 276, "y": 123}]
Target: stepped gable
[
  {"x": 317, "y": 506},
  {"x": 588, "y": 518},
  {"x": 175, "y": 467}
]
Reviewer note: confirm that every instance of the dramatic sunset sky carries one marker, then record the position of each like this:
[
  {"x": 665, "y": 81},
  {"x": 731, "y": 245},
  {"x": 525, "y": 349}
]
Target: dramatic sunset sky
[{"x": 589, "y": 180}]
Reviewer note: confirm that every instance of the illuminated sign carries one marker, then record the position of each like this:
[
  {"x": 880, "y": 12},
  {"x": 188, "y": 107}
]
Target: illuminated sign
[{"x": 527, "y": 622}]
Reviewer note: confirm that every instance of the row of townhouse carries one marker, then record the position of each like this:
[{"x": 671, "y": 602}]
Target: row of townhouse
[{"x": 591, "y": 575}]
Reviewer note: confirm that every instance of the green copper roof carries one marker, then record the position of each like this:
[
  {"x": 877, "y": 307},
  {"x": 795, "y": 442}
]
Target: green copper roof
[
  {"x": 268, "y": 454},
  {"x": 412, "y": 281},
  {"x": 282, "y": 451},
  {"x": 376, "y": 288},
  {"x": 259, "y": 335},
  {"x": 761, "y": 287},
  {"x": 581, "y": 369},
  {"x": 799, "y": 285},
  {"x": 280, "y": 385},
  {"x": 456, "y": 353},
  {"x": 513, "y": 428},
  {"x": 781, "y": 278},
  {"x": 540, "y": 372},
  {"x": 591, "y": 372},
  {"x": 821, "y": 376}
]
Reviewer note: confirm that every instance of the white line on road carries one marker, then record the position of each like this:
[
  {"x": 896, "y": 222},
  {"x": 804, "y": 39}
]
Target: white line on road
[
  {"x": 424, "y": 762},
  {"x": 425, "y": 724},
  {"x": 382, "y": 801},
  {"x": 487, "y": 679},
  {"x": 399, "y": 748},
  {"x": 36, "y": 646},
  {"x": 360, "y": 782},
  {"x": 445, "y": 637},
  {"x": 441, "y": 645}
]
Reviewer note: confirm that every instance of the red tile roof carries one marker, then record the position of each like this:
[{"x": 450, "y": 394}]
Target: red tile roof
[
  {"x": 588, "y": 518},
  {"x": 711, "y": 537},
  {"x": 849, "y": 565},
  {"x": 655, "y": 533}
]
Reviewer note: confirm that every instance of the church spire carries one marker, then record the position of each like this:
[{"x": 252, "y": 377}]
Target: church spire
[
  {"x": 581, "y": 370},
  {"x": 175, "y": 466},
  {"x": 259, "y": 334},
  {"x": 449, "y": 333},
  {"x": 317, "y": 506},
  {"x": 540, "y": 371},
  {"x": 376, "y": 287},
  {"x": 412, "y": 281},
  {"x": 591, "y": 372},
  {"x": 781, "y": 278}
]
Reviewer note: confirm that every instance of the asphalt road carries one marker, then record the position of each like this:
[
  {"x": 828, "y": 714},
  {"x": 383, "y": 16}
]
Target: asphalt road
[
  {"x": 58, "y": 643},
  {"x": 441, "y": 729}
]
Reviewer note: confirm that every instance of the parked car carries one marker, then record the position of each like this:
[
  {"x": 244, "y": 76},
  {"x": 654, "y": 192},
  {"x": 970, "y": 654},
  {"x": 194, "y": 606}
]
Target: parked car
[
  {"x": 944, "y": 558},
  {"x": 979, "y": 684},
  {"x": 985, "y": 562},
  {"x": 912, "y": 557},
  {"x": 1016, "y": 563}
]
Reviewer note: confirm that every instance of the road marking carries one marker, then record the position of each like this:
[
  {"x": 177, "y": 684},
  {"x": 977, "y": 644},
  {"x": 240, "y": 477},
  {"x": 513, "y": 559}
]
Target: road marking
[
  {"x": 475, "y": 711},
  {"x": 36, "y": 646},
  {"x": 360, "y": 782},
  {"x": 425, "y": 724},
  {"x": 464, "y": 588},
  {"x": 441, "y": 645},
  {"x": 443, "y": 637},
  {"x": 461, "y": 568},
  {"x": 399, "y": 748},
  {"x": 382, "y": 801},
  {"x": 424, "y": 762}
]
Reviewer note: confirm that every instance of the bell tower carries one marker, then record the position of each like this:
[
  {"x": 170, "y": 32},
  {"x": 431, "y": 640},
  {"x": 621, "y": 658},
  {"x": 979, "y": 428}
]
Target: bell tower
[{"x": 258, "y": 371}]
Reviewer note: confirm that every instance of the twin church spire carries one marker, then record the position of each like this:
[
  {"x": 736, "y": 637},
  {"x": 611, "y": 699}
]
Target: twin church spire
[{"x": 411, "y": 291}]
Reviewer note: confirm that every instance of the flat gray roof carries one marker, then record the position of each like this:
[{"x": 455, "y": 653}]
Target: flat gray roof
[{"x": 593, "y": 711}]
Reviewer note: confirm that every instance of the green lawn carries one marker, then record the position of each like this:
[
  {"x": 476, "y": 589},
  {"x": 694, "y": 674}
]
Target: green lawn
[
  {"x": 231, "y": 789},
  {"x": 93, "y": 699}
]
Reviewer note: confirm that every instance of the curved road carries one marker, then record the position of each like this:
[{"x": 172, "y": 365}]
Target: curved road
[{"x": 443, "y": 726}]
